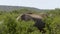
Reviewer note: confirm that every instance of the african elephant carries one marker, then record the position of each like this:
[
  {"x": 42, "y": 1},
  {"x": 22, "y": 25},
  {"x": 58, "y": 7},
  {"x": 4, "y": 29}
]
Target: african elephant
[{"x": 36, "y": 18}]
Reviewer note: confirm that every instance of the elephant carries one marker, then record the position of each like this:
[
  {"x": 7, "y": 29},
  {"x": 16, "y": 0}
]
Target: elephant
[{"x": 37, "y": 19}]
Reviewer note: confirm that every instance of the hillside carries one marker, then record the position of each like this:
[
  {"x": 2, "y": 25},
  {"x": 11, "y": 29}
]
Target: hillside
[{"x": 10, "y": 8}]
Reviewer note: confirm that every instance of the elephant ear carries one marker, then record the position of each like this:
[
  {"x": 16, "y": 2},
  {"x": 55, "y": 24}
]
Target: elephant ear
[{"x": 27, "y": 17}]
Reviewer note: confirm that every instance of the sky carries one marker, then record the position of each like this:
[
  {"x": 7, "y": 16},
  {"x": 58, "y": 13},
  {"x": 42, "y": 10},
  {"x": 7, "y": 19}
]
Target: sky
[{"x": 41, "y": 4}]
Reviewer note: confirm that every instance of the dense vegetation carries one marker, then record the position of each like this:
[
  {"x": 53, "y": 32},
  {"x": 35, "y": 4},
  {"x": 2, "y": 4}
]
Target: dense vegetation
[{"x": 9, "y": 25}]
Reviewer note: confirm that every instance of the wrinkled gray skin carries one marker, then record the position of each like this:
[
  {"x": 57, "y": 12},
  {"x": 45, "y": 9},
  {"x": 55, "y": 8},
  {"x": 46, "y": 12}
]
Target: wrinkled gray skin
[
  {"x": 38, "y": 22},
  {"x": 25, "y": 17}
]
